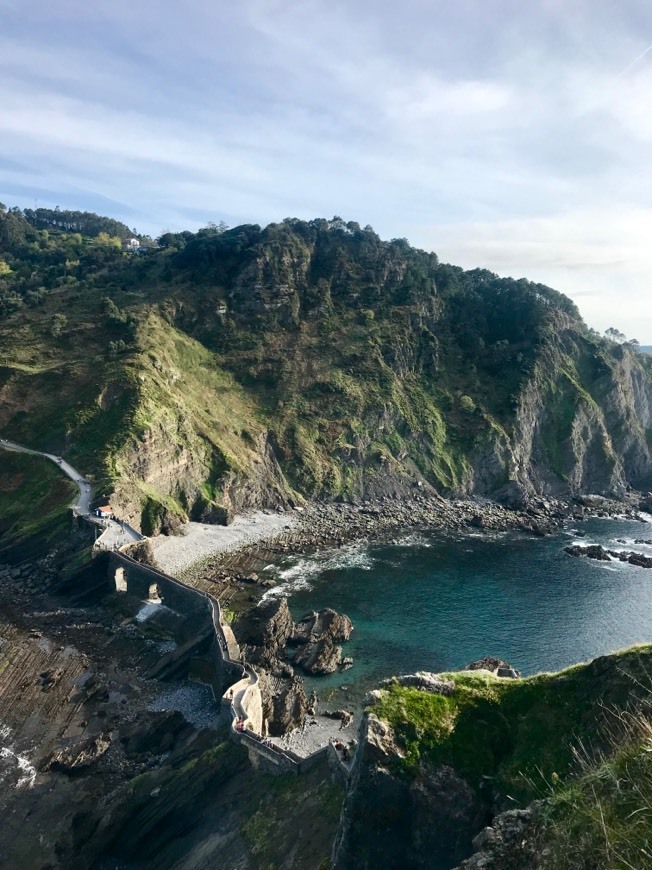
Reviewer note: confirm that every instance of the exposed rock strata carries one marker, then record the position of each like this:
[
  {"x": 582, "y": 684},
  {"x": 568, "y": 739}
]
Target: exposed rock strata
[
  {"x": 506, "y": 844},
  {"x": 265, "y": 630},
  {"x": 427, "y": 793},
  {"x": 316, "y": 635},
  {"x": 285, "y": 704},
  {"x": 392, "y": 822}
]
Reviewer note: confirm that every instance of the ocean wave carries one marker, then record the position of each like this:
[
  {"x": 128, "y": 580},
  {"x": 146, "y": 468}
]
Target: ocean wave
[
  {"x": 299, "y": 574},
  {"x": 15, "y": 762},
  {"x": 414, "y": 539}
]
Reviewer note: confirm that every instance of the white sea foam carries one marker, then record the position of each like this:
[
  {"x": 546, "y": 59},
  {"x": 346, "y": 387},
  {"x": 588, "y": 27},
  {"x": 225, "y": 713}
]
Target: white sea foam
[
  {"x": 414, "y": 539},
  {"x": 299, "y": 574},
  {"x": 15, "y": 762}
]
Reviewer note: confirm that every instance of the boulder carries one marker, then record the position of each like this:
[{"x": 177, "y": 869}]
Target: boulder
[
  {"x": 325, "y": 624},
  {"x": 495, "y": 666},
  {"x": 322, "y": 657},
  {"x": 344, "y": 716},
  {"x": 431, "y": 683},
  {"x": 510, "y": 842},
  {"x": 78, "y": 757}
]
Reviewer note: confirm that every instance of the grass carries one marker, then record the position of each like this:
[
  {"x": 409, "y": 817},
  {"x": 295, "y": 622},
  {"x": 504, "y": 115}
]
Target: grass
[
  {"x": 603, "y": 816},
  {"x": 178, "y": 415},
  {"x": 35, "y": 498},
  {"x": 516, "y": 732},
  {"x": 292, "y": 815},
  {"x": 579, "y": 742}
]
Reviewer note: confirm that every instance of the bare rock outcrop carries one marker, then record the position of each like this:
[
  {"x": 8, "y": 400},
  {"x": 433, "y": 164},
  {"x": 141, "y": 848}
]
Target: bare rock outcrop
[
  {"x": 495, "y": 666},
  {"x": 508, "y": 843},
  {"x": 390, "y": 820},
  {"x": 317, "y": 636},
  {"x": 595, "y": 551},
  {"x": 265, "y": 630},
  {"x": 285, "y": 704},
  {"x": 80, "y": 756},
  {"x": 325, "y": 624},
  {"x": 432, "y": 683},
  {"x": 322, "y": 657}
]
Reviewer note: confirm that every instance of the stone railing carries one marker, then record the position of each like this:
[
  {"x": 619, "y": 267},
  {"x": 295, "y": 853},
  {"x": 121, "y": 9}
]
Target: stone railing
[{"x": 241, "y": 703}]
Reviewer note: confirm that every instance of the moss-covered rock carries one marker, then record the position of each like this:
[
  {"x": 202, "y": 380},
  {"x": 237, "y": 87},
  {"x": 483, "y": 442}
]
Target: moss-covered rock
[{"x": 490, "y": 744}]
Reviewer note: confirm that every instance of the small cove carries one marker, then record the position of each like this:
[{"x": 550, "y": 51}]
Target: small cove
[{"x": 434, "y": 602}]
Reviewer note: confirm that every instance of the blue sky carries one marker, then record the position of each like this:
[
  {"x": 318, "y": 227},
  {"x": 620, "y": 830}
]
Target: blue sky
[{"x": 509, "y": 135}]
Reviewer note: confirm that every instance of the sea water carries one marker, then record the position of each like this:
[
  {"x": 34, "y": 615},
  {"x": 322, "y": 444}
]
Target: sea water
[{"x": 436, "y": 602}]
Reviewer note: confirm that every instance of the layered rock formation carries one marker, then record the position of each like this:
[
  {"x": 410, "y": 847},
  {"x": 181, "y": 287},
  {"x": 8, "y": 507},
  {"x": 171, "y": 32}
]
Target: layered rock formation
[
  {"x": 313, "y": 360},
  {"x": 448, "y": 764}
]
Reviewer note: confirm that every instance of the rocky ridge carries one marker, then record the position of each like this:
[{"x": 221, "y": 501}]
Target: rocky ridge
[
  {"x": 275, "y": 645},
  {"x": 447, "y": 768}
]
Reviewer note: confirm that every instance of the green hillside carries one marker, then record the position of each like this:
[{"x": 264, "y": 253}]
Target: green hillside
[{"x": 252, "y": 367}]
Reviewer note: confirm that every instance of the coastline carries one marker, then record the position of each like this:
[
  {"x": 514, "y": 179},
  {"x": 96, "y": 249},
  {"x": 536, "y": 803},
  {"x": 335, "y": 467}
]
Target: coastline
[
  {"x": 197, "y": 542},
  {"x": 239, "y": 551}
]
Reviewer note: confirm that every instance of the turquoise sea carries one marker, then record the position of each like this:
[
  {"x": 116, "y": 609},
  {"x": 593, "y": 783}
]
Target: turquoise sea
[{"x": 436, "y": 602}]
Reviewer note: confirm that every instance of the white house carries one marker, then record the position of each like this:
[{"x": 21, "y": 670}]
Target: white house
[{"x": 132, "y": 244}]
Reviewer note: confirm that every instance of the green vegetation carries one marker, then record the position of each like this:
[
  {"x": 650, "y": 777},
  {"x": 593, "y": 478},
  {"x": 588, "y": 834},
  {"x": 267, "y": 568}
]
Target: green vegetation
[
  {"x": 603, "y": 816},
  {"x": 292, "y": 815},
  {"x": 35, "y": 498},
  {"x": 306, "y": 359},
  {"x": 580, "y": 739}
]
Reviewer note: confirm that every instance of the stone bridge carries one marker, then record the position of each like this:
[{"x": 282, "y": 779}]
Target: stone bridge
[
  {"x": 235, "y": 684},
  {"x": 241, "y": 701}
]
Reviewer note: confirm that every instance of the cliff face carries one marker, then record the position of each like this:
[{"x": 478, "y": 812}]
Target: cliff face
[
  {"x": 254, "y": 368},
  {"x": 436, "y": 765},
  {"x": 582, "y": 424}
]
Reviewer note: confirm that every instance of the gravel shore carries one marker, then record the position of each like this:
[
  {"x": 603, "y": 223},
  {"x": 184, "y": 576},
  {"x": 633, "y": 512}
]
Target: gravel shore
[
  {"x": 176, "y": 553},
  {"x": 318, "y": 732}
]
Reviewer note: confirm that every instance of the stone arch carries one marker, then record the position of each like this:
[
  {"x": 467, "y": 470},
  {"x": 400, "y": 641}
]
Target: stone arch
[{"x": 120, "y": 580}]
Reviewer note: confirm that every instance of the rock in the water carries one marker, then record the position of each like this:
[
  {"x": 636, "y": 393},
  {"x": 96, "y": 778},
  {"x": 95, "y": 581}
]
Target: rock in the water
[
  {"x": 325, "y": 624},
  {"x": 593, "y": 551},
  {"x": 495, "y": 666},
  {"x": 322, "y": 657},
  {"x": 318, "y": 635}
]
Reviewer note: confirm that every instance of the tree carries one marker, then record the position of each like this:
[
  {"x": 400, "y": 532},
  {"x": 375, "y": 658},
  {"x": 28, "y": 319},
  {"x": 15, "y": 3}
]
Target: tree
[
  {"x": 615, "y": 335},
  {"x": 58, "y": 325}
]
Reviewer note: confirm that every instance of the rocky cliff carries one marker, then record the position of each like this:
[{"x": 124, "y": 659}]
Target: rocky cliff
[
  {"x": 259, "y": 367},
  {"x": 441, "y": 758}
]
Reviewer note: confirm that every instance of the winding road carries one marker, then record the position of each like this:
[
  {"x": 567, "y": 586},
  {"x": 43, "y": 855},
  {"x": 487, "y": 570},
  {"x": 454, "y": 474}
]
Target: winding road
[{"x": 116, "y": 533}]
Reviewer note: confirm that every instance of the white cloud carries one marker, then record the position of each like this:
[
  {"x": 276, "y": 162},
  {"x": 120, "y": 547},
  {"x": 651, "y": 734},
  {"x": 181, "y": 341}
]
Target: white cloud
[
  {"x": 513, "y": 136},
  {"x": 602, "y": 260}
]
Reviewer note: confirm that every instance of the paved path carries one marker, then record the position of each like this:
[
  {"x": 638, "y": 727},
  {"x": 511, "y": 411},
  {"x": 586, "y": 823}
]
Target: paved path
[{"x": 116, "y": 533}]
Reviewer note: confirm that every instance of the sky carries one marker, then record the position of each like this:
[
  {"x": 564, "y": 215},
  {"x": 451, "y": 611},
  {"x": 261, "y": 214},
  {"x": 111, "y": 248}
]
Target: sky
[{"x": 515, "y": 136}]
